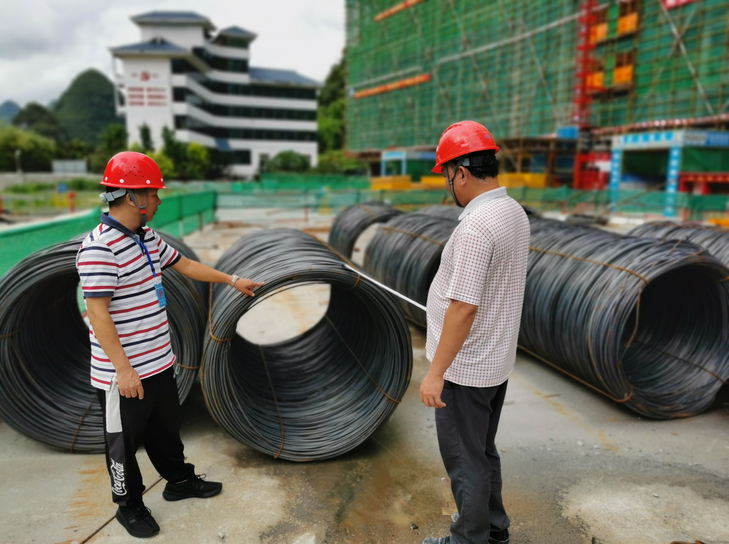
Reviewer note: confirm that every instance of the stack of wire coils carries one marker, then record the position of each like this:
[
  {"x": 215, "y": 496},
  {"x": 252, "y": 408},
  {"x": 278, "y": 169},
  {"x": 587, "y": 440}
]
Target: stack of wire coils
[
  {"x": 643, "y": 321},
  {"x": 714, "y": 239},
  {"x": 405, "y": 255},
  {"x": 319, "y": 394},
  {"x": 353, "y": 221},
  {"x": 45, "y": 390}
]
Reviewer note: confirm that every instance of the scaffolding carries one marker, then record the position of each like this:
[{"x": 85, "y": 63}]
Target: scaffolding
[{"x": 414, "y": 67}]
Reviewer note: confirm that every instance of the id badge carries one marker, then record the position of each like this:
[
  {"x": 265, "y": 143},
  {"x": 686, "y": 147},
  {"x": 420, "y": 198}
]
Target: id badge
[{"x": 160, "y": 293}]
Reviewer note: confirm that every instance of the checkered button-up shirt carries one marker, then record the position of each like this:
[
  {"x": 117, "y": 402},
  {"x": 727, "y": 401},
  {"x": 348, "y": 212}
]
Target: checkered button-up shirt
[{"x": 484, "y": 264}]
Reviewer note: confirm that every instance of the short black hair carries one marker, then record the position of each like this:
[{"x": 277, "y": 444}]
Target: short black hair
[
  {"x": 116, "y": 202},
  {"x": 489, "y": 164}
]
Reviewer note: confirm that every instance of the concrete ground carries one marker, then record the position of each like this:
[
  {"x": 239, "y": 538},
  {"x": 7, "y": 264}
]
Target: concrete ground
[{"x": 578, "y": 468}]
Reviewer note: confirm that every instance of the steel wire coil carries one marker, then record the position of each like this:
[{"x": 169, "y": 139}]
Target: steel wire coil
[
  {"x": 322, "y": 393},
  {"x": 714, "y": 239},
  {"x": 45, "y": 390},
  {"x": 405, "y": 255},
  {"x": 643, "y": 321},
  {"x": 442, "y": 211},
  {"x": 353, "y": 221}
]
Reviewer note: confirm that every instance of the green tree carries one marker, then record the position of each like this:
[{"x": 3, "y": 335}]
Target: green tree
[
  {"x": 336, "y": 162},
  {"x": 288, "y": 161},
  {"x": 86, "y": 108},
  {"x": 75, "y": 149},
  {"x": 174, "y": 149},
  {"x": 145, "y": 139},
  {"x": 197, "y": 161},
  {"x": 113, "y": 140},
  {"x": 331, "y": 112},
  {"x": 41, "y": 121},
  {"x": 166, "y": 166},
  {"x": 36, "y": 152}
]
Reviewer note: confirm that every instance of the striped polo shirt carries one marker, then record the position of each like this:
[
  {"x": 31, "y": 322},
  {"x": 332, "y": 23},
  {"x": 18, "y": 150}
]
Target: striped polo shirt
[{"x": 112, "y": 264}]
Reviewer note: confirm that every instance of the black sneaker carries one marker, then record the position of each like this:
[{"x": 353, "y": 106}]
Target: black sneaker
[
  {"x": 438, "y": 540},
  {"x": 137, "y": 520},
  {"x": 194, "y": 487},
  {"x": 499, "y": 537}
]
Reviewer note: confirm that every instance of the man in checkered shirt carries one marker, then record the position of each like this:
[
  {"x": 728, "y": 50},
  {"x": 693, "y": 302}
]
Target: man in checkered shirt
[{"x": 474, "y": 310}]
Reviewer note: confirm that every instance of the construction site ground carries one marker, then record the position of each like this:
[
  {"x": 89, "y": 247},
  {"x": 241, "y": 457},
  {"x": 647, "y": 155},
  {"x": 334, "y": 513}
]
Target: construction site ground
[{"x": 578, "y": 468}]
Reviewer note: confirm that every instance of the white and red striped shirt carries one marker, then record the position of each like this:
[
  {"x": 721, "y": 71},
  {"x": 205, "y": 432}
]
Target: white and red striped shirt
[{"x": 112, "y": 263}]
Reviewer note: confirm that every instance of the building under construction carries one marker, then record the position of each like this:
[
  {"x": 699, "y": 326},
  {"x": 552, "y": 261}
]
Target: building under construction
[{"x": 554, "y": 80}]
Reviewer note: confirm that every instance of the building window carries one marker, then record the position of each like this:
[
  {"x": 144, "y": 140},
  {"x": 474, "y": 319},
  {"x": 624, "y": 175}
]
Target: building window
[
  {"x": 230, "y": 41},
  {"x": 240, "y": 156},
  {"x": 224, "y": 64},
  {"x": 184, "y": 122},
  {"x": 181, "y": 66},
  {"x": 273, "y": 91},
  {"x": 182, "y": 94}
]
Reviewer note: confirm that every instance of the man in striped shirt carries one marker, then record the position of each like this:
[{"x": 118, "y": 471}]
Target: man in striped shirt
[{"x": 120, "y": 264}]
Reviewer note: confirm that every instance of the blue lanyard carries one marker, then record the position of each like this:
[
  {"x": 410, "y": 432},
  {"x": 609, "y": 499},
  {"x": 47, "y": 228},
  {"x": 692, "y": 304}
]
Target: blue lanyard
[{"x": 149, "y": 259}]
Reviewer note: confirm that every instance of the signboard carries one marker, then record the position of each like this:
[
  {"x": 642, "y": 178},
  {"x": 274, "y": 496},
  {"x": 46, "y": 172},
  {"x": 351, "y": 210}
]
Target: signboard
[{"x": 149, "y": 97}]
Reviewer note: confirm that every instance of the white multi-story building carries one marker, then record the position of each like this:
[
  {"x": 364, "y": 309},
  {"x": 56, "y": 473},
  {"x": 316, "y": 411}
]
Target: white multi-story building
[{"x": 186, "y": 76}]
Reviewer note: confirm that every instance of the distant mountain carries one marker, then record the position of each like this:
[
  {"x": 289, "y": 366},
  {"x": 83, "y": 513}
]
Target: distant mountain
[
  {"x": 8, "y": 110},
  {"x": 41, "y": 121},
  {"x": 86, "y": 108}
]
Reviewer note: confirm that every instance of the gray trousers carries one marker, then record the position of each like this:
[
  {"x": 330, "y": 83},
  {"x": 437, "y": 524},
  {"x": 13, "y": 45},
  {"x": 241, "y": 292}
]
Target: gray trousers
[{"x": 466, "y": 431}]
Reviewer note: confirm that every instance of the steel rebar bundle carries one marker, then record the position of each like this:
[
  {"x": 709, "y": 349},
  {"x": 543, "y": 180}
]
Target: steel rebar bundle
[
  {"x": 643, "y": 321},
  {"x": 714, "y": 239},
  {"x": 324, "y": 392},
  {"x": 405, "y": 255},
  {"x": 45, "y": 390},
  {"x": 353, "y": 221}
]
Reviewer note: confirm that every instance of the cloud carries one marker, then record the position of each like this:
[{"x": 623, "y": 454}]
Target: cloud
[{"x": 44, "y": 44}]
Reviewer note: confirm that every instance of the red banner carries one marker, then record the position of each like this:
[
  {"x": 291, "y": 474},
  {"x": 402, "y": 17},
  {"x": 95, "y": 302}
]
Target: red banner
[{"x": 388, "y": 87}]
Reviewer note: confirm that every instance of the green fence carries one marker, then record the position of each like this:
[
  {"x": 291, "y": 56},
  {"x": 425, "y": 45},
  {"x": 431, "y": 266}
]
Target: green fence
[
  {"x": 19, "y": 242},
  {"x": 562, "y": 199},
  {"x": 178, "y": 215},
  {"x": 279, "y": 183},
  {"x": 182, "y": 214},
  {"x": 329, "y": 199},
  {"x": 640, "y": 203}
]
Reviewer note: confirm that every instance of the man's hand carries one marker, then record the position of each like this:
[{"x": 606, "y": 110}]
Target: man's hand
[
  {"x": 246, "y": 286},
  {"x": 430, "y": 390},
  {"x": 130, "y": 385}
]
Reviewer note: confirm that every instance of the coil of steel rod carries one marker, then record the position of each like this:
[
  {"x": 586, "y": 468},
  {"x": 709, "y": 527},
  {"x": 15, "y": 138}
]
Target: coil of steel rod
[
  {"x": 714, "y": 239},
  {"x": 405, "y": 255},
  {"x": 324, "y": 392},
  {"x": 643, "y": 321},
  {"x": 353, "y": 221},
  {"x": 442, "y": 211},
  {"x": 45, "y": 390}
]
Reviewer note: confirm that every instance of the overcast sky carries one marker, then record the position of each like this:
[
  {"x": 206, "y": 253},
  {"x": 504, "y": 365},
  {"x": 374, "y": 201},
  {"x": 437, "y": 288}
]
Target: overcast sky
[{"x": 44, "y": 44}]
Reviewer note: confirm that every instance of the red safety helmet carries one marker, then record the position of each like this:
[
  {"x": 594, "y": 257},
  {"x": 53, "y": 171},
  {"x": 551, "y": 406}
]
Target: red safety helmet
[
  {"x": 461, "y": 139},
  {"x": 132, "y": 170}
]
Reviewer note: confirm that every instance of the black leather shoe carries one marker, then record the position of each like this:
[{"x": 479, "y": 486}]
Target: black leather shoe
[
  {"x": 194, "y": 487},
  {"x": 499, "y": 537},
  {"x": 137, "y": 520}
]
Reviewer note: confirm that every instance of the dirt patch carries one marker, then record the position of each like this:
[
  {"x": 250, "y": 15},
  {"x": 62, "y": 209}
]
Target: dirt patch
[{"x": 616, "y": 512}]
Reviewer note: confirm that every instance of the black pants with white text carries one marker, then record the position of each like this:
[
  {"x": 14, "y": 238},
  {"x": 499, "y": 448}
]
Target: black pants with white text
[
  {"x": 466, "y": 432},
  {"x": 153, "y": 422}
]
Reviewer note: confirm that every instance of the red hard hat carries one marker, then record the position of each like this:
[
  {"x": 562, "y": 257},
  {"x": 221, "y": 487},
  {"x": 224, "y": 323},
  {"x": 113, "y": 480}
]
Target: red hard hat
[
  {"x": 132, "y": 170},
  {"x": 461, "y": 139}
]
